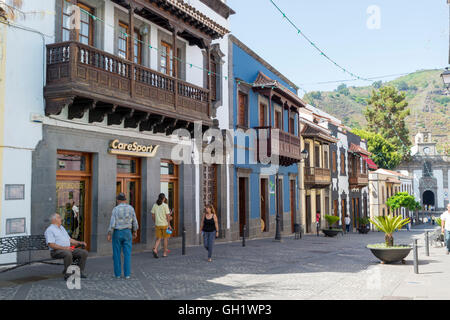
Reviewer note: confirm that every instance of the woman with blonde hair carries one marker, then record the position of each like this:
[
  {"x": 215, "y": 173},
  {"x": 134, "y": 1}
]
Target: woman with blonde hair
[{"x": 210, "y": 228}]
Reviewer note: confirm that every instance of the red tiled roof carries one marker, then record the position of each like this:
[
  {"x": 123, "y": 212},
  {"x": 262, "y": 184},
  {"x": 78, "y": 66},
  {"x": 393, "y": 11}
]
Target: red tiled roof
[
  {"x": 357, "y": 149},
  {"x": 263, "y": 81}
]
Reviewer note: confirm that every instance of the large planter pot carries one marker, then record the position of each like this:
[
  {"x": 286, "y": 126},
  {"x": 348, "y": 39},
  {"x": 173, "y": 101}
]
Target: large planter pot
[
  {"x": 363, "y": 230},
  {"x": 331, "y": 232},
  {"x": 390, "y": 255}
]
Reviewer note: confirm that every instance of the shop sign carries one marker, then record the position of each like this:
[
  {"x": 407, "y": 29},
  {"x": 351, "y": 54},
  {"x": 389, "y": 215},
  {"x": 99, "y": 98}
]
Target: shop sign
[{"x": 132, "y": 149}]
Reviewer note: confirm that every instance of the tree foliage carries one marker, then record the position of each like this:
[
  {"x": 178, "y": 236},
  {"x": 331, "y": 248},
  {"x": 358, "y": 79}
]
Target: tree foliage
[
  {"x": 384, "y": 154},
  {"x": 331, "y": 220},
  {"x": 342, "y": 89},
  {"x": 386, "y": 116},
  {"x": 403, "y": 200}
]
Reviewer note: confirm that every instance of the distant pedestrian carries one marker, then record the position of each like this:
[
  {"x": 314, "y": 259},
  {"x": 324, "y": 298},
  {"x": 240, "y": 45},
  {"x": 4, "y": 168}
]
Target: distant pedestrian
[
  {"x": 445, "y": 227},
  {"x": 347, "y": 221},
  {"x": 161, "y": 217},
  {"x": 210, "y": 229},
  {"x": 123, "y": 228},
  {"x": 318, "y": 222}
]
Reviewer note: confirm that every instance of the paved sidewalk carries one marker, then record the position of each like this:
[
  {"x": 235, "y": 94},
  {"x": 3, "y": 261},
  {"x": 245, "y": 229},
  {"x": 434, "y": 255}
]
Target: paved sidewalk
[{"x": 310, "y": 268}]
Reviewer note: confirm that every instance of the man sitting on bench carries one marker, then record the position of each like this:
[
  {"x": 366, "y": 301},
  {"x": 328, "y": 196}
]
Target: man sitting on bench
[{"x": 59, "y": 242}]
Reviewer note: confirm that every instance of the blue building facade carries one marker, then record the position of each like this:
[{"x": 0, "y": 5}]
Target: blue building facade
[{"x": 262, "y": 100}]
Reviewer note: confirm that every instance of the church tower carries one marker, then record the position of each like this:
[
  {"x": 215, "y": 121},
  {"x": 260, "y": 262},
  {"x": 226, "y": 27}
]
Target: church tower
[{"x": 424, "y": 145}]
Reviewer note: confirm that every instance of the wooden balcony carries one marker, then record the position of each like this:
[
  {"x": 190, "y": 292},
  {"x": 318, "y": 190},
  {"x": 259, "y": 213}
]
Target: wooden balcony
[
  {"x": 90, "y": 80},
  {"x": 288, "y": 145},
  {"x": 317, "y": 177},
  {"x": 358, "y": 180}
]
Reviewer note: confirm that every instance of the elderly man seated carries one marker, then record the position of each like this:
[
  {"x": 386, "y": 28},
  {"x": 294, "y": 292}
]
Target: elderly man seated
[{"x": 60, "y": 244}]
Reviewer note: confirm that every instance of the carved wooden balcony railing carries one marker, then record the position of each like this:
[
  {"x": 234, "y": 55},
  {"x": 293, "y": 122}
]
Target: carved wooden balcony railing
[
  {"x": 288, "y": 145},
  {"x": 87, "y": 78},
  {"x": 317, "y": 177},
  {"x": 358, "y": 180}
]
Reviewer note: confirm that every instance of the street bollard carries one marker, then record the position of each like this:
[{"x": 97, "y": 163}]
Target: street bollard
[
  {"x": 416, "y": 257},
  {"x": 427, "y": 244},
  {"x": 183, "y": 243},
  {"x": 243, "y": 235}
]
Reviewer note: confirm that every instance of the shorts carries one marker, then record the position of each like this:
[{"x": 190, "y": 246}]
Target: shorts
[{"x": 161, "y": 232}]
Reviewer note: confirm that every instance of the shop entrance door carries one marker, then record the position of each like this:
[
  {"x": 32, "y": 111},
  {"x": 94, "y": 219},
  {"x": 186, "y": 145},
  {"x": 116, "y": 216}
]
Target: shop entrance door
[
  {"x": 129, "y": 183},
  {"x": 73, "y": 177},
  {"x": 169, "y": 186}
]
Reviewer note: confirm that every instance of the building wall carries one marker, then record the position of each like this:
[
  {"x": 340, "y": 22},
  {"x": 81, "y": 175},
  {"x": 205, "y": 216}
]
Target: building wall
[
  {"x": 24, "y": 139},
  {"x": 246, "y": 67}
]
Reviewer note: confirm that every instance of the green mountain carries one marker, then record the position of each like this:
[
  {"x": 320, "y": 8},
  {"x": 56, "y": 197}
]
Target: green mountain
[{"x": 425, "y": 93}]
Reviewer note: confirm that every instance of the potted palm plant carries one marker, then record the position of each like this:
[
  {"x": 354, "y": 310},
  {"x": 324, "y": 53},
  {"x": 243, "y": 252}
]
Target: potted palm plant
[
  {"x": 363, "y": 225},
  {"x": 387, "y": 252},
  {"x": 331, "y": 232}
]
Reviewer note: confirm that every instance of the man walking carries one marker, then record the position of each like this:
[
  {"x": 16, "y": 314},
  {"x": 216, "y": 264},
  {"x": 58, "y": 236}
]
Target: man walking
[
  {"x": 445, "y": 227},
  {"x": 347, "y": 221},
  {"x": 62, "y": 246},
  {"x": 123, "y": 224}
]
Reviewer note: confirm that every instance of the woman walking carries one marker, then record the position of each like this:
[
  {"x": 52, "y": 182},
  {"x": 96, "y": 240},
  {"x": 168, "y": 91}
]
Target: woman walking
[
  {"x": 210, "y": 229},
  {"x": 161, "y": 218}
]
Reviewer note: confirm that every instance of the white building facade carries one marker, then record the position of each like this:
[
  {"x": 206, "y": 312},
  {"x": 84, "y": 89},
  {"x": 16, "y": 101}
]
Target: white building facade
[{"x": 90, "y": 94}]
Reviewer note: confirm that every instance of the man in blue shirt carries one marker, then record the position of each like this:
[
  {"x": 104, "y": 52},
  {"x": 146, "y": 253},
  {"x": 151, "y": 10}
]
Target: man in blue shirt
[
  {"x": 123, "y": 227},
  {"x": 59, "y": 242}
]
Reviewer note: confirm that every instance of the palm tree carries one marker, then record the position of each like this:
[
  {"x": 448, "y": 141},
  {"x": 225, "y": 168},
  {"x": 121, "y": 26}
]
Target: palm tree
[{"x": 389, "y": 225}]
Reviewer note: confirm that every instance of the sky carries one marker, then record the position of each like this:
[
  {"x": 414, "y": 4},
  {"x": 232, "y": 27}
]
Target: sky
[{"x": 396, "y": 37}]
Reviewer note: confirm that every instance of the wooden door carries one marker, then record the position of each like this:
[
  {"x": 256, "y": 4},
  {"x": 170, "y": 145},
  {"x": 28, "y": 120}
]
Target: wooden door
[
  {"x": 280, "y": 202},
  {"x": 336, "y": 208},
  {"x": 308, "y": 213},
  {"x": 169, "y": 185},
  {"x": 129, "y": 183},
  {"x": 344, "y": 212},
  {"x": 263, "y": 204},
  {"x": 242, "y": 205},
  {"x": 292, "y": 204},
  {"x": 73, "y": 194}
]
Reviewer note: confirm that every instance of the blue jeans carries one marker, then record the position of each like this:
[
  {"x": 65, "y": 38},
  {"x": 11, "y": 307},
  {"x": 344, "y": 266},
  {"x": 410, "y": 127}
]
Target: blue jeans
[
  {"x": 208, "y": 242},
  {"x": 122, "y": 240},
  {"x": 347, "y": 227},
  {"x": 447, "y": 239}
]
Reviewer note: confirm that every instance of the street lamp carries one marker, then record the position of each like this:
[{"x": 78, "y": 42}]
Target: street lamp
[
  {"x": 446, "y": 78},
  {"x": 304, "y": 154}
]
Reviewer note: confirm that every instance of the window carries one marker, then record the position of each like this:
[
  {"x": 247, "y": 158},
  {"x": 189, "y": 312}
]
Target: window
[
  {"x": 242, "y": 110},
  {"x": 325, "y": 158},
  {"x": 307, "y": 161},
  {"x": 278, "y": 120},
  {"x": 292, "y": 124},
  {"x": 342, "y": 163},
  {"x": 123, "y": 45},
  {"x": 167, "y": 59},
  {"x": 317, "y": 156},
  {"x": 213, "y": 80},
  {"x": 262, "y": 115},
  {"x": 86, "y": 35},
  {"x": 334, "y": 161}
]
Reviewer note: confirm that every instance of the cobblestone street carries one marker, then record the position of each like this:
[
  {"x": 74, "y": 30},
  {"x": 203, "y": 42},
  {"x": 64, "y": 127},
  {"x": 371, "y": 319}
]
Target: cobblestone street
[{"x": 310, "y": 268}]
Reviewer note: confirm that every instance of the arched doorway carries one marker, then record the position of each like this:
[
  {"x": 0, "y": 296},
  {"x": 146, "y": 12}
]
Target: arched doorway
[{"x": 428, "y": 199}]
